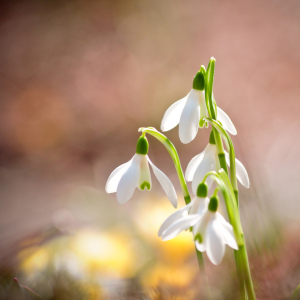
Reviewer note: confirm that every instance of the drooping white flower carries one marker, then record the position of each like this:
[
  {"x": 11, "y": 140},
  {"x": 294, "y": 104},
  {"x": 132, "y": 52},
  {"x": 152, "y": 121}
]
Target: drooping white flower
[
  {"x": 213, "y": 232},
  {"x": 135, "y": 173},
  {"x": 188, "y": 111},
  {"x": 208, "y": 161},
  {"x": 185, "y": 217}
]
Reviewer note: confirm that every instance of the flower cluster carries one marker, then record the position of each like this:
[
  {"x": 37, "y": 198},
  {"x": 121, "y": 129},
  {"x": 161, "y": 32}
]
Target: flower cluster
[{"x": 196, "y": 110}]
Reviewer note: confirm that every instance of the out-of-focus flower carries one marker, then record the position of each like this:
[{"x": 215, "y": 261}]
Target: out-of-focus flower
[
  {"x": 183, "y": 218},
  {"x": 136, "y": 173},
  {"x": 208, "y": 161},
  {"x": 211, "y": 231}
]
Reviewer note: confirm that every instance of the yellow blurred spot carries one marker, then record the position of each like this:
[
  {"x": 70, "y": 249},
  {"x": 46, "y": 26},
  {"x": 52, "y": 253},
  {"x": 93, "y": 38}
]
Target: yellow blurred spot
[
  {"x": 34, "y": 260},
  {"x": 178, "y": 249},
  {"x": 104, "y": 253},
  {"x": 149, "y": 218},
  {"x": 168, "y": 274}
]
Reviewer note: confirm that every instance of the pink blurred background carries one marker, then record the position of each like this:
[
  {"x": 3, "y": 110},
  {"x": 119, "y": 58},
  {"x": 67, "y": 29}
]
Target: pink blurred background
[{"x": 78, "y": 78}]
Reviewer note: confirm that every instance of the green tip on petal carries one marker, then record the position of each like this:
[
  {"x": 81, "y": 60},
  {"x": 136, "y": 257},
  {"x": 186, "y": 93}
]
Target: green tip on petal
[
  {"x": 142, "y": 146},
  {"x": 198, "y": 238},
  {"x": 213, "y": 204},
  {"x": 212, "y": 138},
  {"x": 202, "y": 190},
  {"x": 146, "y": 185},
  {"x": 199, "y": 81}
]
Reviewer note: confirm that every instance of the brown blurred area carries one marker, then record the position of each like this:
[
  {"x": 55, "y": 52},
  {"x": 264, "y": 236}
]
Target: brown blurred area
[{"x": 77, "y": 80}]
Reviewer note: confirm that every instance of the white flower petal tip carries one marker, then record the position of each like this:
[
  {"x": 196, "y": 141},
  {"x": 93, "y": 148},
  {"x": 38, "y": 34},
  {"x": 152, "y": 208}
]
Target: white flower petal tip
[
  {"x": 172, "y": 115},
  {"x": 165, "y": 183},
  {"x": 114, "y": 178},
  {"x": 190, "y": 117},
  {"x": 226, "y": 122},
  {"x": 174, "y": 218},
  {"x": 241, "y": 172},
  {"x": 192, "y": 166},
  {"x": 129, "y": 180}
]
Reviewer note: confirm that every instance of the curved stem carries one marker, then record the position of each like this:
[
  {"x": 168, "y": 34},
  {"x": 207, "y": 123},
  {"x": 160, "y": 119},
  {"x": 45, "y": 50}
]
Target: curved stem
[{"x": 174, "y": 155}]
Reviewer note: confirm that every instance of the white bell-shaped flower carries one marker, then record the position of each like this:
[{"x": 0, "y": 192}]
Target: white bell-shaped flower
[
  {"x": 212, "y": 232},
  {"x": 188, "y": 111},
  {"x": 185, "y": 217},
  {"x": 135, "y": 173},
  {"x": 208, "y": 161}
]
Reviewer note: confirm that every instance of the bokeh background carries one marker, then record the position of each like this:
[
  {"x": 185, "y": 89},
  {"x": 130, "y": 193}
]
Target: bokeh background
[{"x": 77, "y": 79}]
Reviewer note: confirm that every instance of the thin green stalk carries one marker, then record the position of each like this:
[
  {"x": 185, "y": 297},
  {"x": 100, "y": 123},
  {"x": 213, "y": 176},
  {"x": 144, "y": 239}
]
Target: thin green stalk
[
  {"x": 217, "y": 127},
  {"x": 202, "y": 268},
  {"x": 296, "y": 294},
  {"x": 242, "y": 260}
]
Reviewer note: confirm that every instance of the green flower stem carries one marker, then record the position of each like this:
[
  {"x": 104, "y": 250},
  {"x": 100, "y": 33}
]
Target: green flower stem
[
  {"x": 217, "y": 127},
  {"x": 174, "y": 155},
  {"x": 242, "y": 257},
  {"x": 202, "y": 268}
]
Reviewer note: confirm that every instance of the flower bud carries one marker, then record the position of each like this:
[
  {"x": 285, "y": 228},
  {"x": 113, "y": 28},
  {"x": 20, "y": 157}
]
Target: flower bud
[
  {"x": 202, "y": 190},
  {"x": 213, "y": 204},
  {"x": 199, "y": 81},
  {"x": 142, "y": 146}
]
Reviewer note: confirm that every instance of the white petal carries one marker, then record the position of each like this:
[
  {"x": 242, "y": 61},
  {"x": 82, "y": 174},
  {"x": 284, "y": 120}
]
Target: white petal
[
  {"x": 129, "y": 180},
  {"x": 199, "y": 206},
  {"x": 145, "y": 177},
  {"x": 207, "y": 164},
  {"x": 200, "y": 246},
  {"x": 226, "y": 231},
  {"x": 166, "y": 184},
  {"x": 215, "y": 246},
  {"x": 172, "y": 115},
  {"x": 200, "y": 228},
  {"x": 114, "y": 178},
  {"x": 226, "y": 122},
  {"x": 174, "y": 217},
  {"x": 180, "y": 225},
  {"x": 241, "y": 173},
  {"x": 189, "y": 120},
  {"x": 192, "y": 166}
]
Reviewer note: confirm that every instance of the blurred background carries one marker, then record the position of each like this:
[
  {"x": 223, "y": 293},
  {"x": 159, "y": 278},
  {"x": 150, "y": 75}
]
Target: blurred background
[{"x": 77, "y": 79}]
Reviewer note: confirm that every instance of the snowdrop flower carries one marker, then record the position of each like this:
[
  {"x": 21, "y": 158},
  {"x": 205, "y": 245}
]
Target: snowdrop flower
[
  {"x": 185, "y": 217},
  {"x": 135, "y": 173},
  {"x": 212, "y": 232},
  {"x": 208, "y": 161},
  {"x": 188, "y": 111}
]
